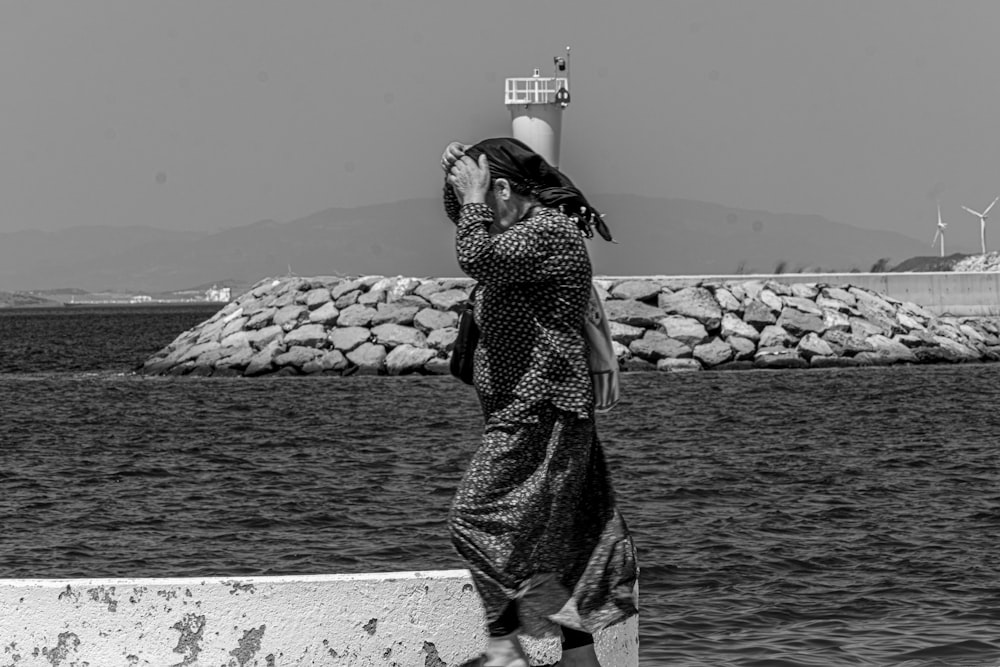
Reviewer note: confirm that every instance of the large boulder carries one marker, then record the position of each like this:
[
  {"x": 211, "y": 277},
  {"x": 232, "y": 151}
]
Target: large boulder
[
  {"x": 261, "y": 338},
  {"x": 798, "y": 323},
  {"x": 802, "y": 304},
  {"x": 714, "y": 352},
  {"x": 234, "y": 325},
  {"x": 891, "y": 349},
  {"x": 331, "y": 360},
  {"x": 624, "y": 333},
  {"x": 771, "y": 300},
  {"x": 235, "y": 357},
  {"x": 962, "y": 352},
  {"x": 727, "y": 300},
  {"x": 836, "y": 320},
  {"x": 846, "y": 344},
  {"x": 372, "y": 298},
  {"x": 325, "y": 314},
  {"x": 297, "y": 356},
  {"x": 261, "y": 318},
  {"x": 401, "y": 287},
  {"x": 431, "y": 319},
  {"x": 757, "y": 314},
  {"x": 393, "y": 313},
  {"x": 404, "y": 359},
  {"x": 743, "y": 348},
  {"x": 263, "y": 361},
  {"x": 639, "y": 290},
  {"x": 394, "y": 334},
  {"x": 631, "y": 312},
  {"x": 349, "y": 299},
  {"x": 826, "y": 303},
  {"x": 734, "y": 326},
  {"x": 812, "y": 345},
  {"x": 345, "y": 287},
  {"x": 348, "y": 338},
  {"x": 438, "y": 366},
  {"x": 775, "y": 336},
  {"x": 451, "y": 299},
  {"x": 656, "y": 345},
  {"x": 235, "y": 339},
  {"x": 426, "y": 288},
  {"x": 307, "y": 335},
  {"x": 288, "y": 316},
  {"x": 693, "y": 302},
  {"x": 356, "y": 316},
  {"x": 368, "y": 357},
  {"x": 805, "y": 290},
  {"x": 687, "y": 330},
  {"x": 864, "y": 328},
  {"x": 317, "y": 297},
  {"x": 838, "y": 294},
  {"x": 442, "y": 340}
]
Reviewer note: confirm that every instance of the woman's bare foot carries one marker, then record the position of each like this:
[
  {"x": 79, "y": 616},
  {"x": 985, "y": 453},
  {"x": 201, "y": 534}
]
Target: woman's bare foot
[
  {"x": 582, "y": 656},
  {"x": 505, "y": 652}
]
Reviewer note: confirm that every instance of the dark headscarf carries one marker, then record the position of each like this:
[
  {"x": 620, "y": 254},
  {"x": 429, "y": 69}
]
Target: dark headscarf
[{"x": 529, "y": 172}]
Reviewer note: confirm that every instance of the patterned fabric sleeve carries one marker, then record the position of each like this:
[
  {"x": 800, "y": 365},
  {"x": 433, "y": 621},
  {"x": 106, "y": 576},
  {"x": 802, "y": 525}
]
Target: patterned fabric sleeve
[
  {"x": 522, "y": 254},
  {"x": 451, "y": 206}
]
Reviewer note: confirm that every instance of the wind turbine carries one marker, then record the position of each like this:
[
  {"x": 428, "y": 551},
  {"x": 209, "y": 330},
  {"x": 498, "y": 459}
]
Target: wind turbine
[
  {"x": 940, "y": 230},
  {"x": 982, "y": 222}
]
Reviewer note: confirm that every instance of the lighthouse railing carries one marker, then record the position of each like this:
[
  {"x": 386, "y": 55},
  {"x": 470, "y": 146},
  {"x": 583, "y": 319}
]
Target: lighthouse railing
[{"x": 533, "y": 90}]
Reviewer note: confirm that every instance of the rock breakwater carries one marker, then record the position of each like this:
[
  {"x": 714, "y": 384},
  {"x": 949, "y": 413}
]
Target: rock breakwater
[
  {"x": 988, "y": 262},
  {"x": 402, "y": 325}
]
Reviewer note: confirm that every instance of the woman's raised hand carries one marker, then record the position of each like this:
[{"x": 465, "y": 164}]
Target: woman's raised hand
[
  {"x": 452, "y": 154},
  {"x": 470, "y": 179}
]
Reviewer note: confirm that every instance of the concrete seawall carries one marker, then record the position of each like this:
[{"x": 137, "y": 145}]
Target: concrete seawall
[
  {"x": 943, "y": 293},
  {"x": 404, "y": 619}
]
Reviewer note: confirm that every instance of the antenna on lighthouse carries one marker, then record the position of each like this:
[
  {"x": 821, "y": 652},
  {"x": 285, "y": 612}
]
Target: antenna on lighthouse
[{"x": 536, "y": 105}]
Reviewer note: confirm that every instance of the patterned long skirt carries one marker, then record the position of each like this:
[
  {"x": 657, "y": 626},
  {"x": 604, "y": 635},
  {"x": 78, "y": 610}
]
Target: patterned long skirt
[{"x": 535, "y": 520}]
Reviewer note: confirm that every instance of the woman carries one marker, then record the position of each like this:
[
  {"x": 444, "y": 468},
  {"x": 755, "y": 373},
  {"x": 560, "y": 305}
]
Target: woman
[{"x": 534, "y": 516}]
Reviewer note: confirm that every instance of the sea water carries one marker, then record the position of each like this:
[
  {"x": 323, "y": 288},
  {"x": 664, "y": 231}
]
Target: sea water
[{"x": 835, "y": 517}]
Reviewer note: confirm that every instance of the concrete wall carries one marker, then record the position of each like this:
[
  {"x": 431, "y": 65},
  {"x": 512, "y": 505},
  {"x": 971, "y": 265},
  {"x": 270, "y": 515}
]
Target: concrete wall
[
  {"x": 943, "y": 293},
  {"x": 409, "y": 619}
]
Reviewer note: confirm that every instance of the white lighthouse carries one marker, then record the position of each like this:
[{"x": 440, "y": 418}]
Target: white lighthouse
[{"x": 536, "y": 104}]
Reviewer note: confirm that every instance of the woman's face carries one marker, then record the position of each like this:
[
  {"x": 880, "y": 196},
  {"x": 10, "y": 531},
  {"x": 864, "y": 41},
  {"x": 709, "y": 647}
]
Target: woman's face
[{"x": 505, "y": 204}]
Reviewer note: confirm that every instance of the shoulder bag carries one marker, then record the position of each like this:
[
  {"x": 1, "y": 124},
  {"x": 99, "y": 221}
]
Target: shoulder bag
[{"x": 463, "y": 352}]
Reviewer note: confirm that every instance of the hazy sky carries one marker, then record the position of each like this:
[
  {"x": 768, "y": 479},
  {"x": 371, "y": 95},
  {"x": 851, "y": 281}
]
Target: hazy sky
[{"x": 206, "y": 114}]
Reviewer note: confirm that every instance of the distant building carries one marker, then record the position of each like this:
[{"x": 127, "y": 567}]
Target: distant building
[
  {"x": 221, "y": 294},
  {"x": 140, "y": 298}
]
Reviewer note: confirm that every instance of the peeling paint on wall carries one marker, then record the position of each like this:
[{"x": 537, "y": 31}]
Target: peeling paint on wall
[
  {"x": 69, "y": 594},
  {"x": 249, "y": 644},
  {"x": 237, "y": 587},
  {"x": 67, "y": 641},
  {"x": 371, "y": 626},
  {"x": 11, "y": 650},
  {"x": 192, "y": 628},
  {"x": 432, "y": 659},
  {"x": 104, "y": 595}
]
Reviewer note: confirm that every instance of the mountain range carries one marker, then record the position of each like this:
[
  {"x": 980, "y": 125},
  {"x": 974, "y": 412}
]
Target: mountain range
[{"x": 414, "y": 238}]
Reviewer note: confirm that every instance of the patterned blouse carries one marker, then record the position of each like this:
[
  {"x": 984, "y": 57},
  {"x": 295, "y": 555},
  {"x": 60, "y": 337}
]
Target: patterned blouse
[{"x": 535, "y": 283}]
